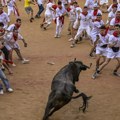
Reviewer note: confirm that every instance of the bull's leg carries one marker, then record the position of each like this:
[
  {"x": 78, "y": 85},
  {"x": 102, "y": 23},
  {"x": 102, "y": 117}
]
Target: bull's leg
[
  {"x": 58, "y": 107},
  {"x": 85, "y": 100},
  {"x": 49, "y": 107}
]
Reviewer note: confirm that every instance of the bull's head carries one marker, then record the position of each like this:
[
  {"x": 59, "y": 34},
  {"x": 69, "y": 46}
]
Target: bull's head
[
  {"x": 81, "y": 66},
  {"x": 77, "y": 67}
]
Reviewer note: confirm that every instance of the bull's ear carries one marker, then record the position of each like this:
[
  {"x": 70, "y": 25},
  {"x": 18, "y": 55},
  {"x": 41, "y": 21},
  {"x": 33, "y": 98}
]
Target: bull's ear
[
  {"x": 71, "y": 63},
  {"x": 74, "y": 59}
]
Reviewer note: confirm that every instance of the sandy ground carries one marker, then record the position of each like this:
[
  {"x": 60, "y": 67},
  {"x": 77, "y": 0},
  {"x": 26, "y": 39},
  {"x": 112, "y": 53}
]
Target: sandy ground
[{"x": 31, "y": 82}]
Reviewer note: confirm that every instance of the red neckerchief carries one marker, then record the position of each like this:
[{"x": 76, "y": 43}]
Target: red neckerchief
[
  {"x": 1, "y": 12},
  {"x": 2, "y": 30},
  {"x": 61, "y": 19},
  {"x": 115, "y": 34},
  {"x": 84, "y": 13},
  {"x": 107, "y": 30},
  {"x": 15, "y": 37},
  {"x": 54, "y": 7},
  {"x": 117, "y": 20},
  {"x": 17, "y": 26},
  {"x": 95, "y": 12},
  {"x": 68, "y": 9}
]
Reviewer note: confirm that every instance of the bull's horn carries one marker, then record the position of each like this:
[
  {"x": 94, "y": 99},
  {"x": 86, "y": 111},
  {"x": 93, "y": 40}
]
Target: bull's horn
[
  {"x": 74, "y": 59},
  {"x": 89, "y": 66}
]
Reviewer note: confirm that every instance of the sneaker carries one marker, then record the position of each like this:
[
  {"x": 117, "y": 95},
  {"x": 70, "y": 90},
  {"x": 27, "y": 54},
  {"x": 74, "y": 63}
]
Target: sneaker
[
  {"x": 25, "y": 61},
  {"x": 10, "y": 90},
  {"x": 13, "y": 64},
  {"x": 41, "y": 25},
  {"x": 71, "y": 39},
  {"x": 44, "y": 28},
  {"x": 116, "y": 74},
  {"x": 31, "y": 19},
  {"x": 56, "y": 36},
  {"x": 1, "y": 92},
  {"x": 72, "y": 45},
  {"x": 94, "y": 75}
]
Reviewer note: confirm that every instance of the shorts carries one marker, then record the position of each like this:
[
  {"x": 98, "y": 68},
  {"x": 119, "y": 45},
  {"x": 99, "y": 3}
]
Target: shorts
[
  {"x": 70, "y": 26},
  {"x": 101, "y": 51},
  {"x": 76, "y": 25},
  {"x": 28, "y": 9},
  {"x": 112, "y": 55}
]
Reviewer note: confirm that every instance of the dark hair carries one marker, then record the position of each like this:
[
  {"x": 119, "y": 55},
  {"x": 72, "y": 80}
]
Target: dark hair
[
  {"x": 117, "y": 25},
  {"x": 102, "y": 27},
  {"x": 59, "y": 3},
  {"x": 18, "y": 19},
  {"x": 99, "y": 14},
  {"x": 1, "y": 24},
  {"x": 85, "y": 7}
]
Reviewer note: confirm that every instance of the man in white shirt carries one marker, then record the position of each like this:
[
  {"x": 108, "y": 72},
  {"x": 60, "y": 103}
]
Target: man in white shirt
[
  {"x": 60, "y": 13},
  {"x": 90, "y": 4},
  {"x": 85, "y": 21},
  {"x": 12, "y": 7},
  {"x": 112, "y": 14},
  {"x": 48, "y": 15},
  {"x": 113, "y": 52},
  {"x": 12, "y": 44},
  {"x": 4, "y": 17},
  {"x": 115, "y": 2}
]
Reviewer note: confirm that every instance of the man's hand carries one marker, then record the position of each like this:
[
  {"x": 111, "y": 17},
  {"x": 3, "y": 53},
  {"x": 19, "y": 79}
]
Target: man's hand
[{"x": 25, "y": 44}]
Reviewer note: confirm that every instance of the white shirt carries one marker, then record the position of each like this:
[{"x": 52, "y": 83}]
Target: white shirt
[
  {"x": 78, "y": 10},
  {"x": 113, "y": 39},
  {"x": 96, "y": 26},
  {"x": 111, "y": 15},
  {"x": 92, "y": 13},
  {"x": 110, "y": 8},
  {"x": 60, "y": 12},
  {"x": 113, "y": 22},
  {"x": 72, "y": 14},
  {"x": 4, "y": 19},
  {"x": 10, "y": 40},
  {"x": 85, "y": 20},
  {"x": 11, "y": 27},
  {"x": 103, "y": 40},
  {"x": 48, "y": 6},
  {"x": 39, "y": 2},
  {"x": 89, "y": 4},
  {"x": 11, "y": 3}
]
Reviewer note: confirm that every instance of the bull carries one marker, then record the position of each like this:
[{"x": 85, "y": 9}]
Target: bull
[{"x": 63, "y": 87}]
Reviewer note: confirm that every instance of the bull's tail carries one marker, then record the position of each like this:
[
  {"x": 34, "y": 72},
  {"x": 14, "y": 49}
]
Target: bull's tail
[{"x": 85, "y": 101}]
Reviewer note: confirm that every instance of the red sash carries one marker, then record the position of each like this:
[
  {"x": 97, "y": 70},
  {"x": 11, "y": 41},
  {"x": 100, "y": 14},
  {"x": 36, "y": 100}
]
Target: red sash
[
  {"x": 115, "y": 34},
  {"x": 95, "y": 12}
]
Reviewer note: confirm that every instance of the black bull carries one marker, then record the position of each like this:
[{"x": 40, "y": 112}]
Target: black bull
[{"x": 63, "y": 87}]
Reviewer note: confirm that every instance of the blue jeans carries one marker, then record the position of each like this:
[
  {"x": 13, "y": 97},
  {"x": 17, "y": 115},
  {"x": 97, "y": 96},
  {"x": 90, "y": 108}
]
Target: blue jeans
[
  {"x": 4, "y": 80},
  {"x": 41, "y": 9}
]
